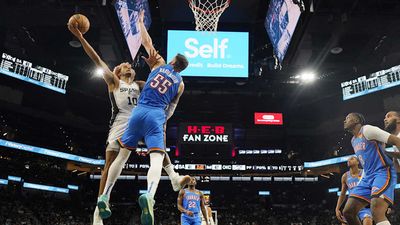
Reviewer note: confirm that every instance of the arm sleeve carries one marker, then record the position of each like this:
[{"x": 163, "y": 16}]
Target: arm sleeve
[{"x": 375, "y": 133}]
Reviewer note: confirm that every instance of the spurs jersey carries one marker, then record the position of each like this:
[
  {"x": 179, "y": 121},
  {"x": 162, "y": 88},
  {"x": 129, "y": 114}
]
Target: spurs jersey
[
  {"x": 351, "y": 181},
  {"x": 123, "y": 100}
]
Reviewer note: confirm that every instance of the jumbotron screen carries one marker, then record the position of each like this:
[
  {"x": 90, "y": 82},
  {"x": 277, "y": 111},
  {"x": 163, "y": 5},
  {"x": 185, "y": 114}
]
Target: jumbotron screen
[{"x": 216, "y": 54}]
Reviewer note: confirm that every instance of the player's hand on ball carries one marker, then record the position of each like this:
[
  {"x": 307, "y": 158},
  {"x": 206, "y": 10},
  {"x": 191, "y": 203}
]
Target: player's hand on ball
[
  {"x": 189, "y": 213},
  {"x": 73, "y": 27}
]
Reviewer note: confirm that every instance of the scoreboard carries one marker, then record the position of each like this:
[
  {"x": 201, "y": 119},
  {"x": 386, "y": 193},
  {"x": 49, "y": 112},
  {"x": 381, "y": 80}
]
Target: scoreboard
[
  {"x": 374, "y": 82},
  {"x": 41, "y": 76}
]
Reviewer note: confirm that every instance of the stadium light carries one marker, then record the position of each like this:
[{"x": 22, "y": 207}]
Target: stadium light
[
  {"x": 99, "y": 72},
  {"x": 307, "y": 77}
]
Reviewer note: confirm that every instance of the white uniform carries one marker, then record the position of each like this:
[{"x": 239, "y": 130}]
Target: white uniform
[
  {"x": 123, "y": 101},
  {"x": 210, "y": 218}
]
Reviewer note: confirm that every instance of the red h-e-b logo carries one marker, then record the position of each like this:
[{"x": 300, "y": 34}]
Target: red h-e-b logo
[
  {"x": 205, "y": 129},
  {"x": 268, "y": 118}
]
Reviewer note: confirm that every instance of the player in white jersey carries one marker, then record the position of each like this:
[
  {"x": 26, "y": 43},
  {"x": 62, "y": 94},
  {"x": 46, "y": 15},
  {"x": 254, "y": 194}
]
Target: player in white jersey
[
  {"x": 209, "y": 212},
  {"x": 123, "y": 93}
]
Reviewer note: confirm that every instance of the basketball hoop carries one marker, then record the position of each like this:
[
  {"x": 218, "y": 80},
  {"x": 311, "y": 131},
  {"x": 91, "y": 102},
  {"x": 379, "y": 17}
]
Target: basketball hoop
[{"x": 207, "y": 13}]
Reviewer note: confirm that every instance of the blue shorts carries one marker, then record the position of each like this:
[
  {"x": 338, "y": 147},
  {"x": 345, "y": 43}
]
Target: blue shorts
[
  {"x": 187, "y": 220},
  {"x": 364, "y": 213},
  {"x": 380, "y": 184},
  {"x": 148, "y": 123}
]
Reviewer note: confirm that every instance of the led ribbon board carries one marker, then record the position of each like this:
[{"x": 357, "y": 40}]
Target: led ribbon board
[
  {"x": 24, "y": 70},
  {"x": 374, "y": 82},
  {"x": 53, "y": 153}
]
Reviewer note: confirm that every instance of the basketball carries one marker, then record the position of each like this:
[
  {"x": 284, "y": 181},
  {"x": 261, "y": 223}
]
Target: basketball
[{"x": 82, "y": 22}]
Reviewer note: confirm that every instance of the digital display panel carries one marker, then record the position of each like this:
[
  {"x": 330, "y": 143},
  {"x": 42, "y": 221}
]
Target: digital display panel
[
  {"x": 205, "y": 133},
  {"x": 280, "y": 23},
  {"x": 214, "y": 54},
  {"x": 268, "y": 118},
  {"x": 26, "y": 71},
  {"x": 372, "y": 83},
  {"x": 127, "y": 13}
]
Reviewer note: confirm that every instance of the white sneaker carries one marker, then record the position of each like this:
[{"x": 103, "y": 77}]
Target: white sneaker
[{"x": 178, "y": 182}]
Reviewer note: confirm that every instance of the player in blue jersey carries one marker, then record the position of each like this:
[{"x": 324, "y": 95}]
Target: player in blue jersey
[
  {"x": 378, "y": 182},
  {"x": 350, "y": 180},
  {"x": 156, "y": 104},
  {"x": 191, "y": 204}
]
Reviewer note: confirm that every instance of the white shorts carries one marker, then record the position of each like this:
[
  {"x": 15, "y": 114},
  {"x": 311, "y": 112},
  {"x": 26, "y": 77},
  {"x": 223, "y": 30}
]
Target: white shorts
[
  {"x": 117, "y": 129},
  {"x": 113, "y": 146}
]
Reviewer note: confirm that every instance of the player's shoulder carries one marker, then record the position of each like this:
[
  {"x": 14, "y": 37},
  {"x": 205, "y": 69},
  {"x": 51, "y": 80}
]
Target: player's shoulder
[{"x": 345, "y": 175}]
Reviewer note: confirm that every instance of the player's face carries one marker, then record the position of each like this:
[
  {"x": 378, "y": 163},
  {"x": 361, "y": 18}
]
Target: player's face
[
  {"x": 352, "y": 161},
  {"x": 127, "y": 71},
  {"x": 193, "y": 181},
  {"x": 391, "y": 120},
  {"x": 350, "y": 122}
]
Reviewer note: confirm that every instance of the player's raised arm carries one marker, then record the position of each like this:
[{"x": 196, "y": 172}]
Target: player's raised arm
[
  {"x": 172, "y": 106},
  {"x": 341, "y": 198},
  {"x": 147, "y": 42},
  {"x": 375, "y": 133},
  {"x": 111, "y": 80},
  {"x": 203, "y": 208}
]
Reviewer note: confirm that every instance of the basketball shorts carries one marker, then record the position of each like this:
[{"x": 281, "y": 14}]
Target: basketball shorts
[
  {"x": 187, "y": 220},
  {"x": 117, "y": 128},
  {"x": 380, "y": 184},
  {"x": 364, "y": 213},
  {"x": 148, "y": 123}
]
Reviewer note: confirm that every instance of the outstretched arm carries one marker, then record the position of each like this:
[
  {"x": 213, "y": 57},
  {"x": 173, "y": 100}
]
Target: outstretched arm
[
  {"x": 146, "y": 40},
  {"x": 375, "y": 133},
  {"x": 109, "y": 77},
  {"x": 172, "y": 106}
]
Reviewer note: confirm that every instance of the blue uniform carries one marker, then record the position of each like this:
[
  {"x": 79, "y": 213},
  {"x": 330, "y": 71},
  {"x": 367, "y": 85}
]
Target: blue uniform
[
  {"x": 351, "y": 183},
  {"x": 148, "y": 118},
  {"x": 191, "y": 202},
  {"x": 380, "y": 176}
]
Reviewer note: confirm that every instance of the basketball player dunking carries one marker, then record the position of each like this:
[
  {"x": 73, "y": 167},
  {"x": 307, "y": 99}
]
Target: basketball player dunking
[
  {"x": 156, "y": 105},
  {"x": 123, "y": 93},
  {"x": 350, "y": 180},
  {"x": 376, "y": 187},
  {"x": 190, "y": 203}
]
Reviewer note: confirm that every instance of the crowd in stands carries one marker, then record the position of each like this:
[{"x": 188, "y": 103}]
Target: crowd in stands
[{"x": 22, "y": 207}]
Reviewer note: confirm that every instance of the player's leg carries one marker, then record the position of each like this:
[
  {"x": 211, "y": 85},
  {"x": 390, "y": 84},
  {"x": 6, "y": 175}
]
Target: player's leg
[
  {"x": 111, "y": 154},
  {"x": 127, "y": 142},
  {"x": 383, "y": 195},
  {"x": 154, "y": 138},
  {"x": 365, "y": 216},
  {"x": 351, "y": 209},
  {"x": 177, "y": 181}
]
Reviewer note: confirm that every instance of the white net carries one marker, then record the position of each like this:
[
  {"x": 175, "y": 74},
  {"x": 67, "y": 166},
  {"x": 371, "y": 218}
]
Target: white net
[{"x": 207, "y": 13}]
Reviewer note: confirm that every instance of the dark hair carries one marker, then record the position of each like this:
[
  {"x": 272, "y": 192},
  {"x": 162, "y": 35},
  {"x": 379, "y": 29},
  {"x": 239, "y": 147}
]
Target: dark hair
[
  {"x": 180, "y": 63},
  {"x": 360, "y": 117}
]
